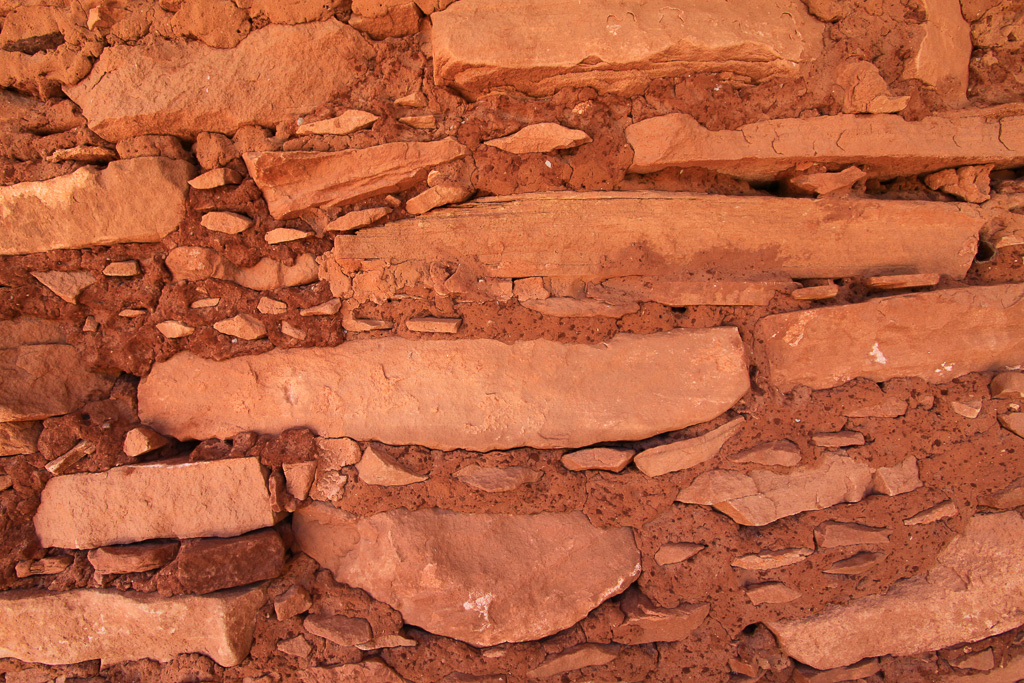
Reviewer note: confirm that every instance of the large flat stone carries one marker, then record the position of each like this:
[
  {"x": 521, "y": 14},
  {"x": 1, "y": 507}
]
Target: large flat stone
[
  {"x": 936, "y": 336},
  {"x": 43, "y": 380},
  {"x": 615, "y": 47},
  {"x": 114, "y": 626},
  {"x": 169, "y": 88},
  {"x": 480, "y": 578},
  {"x": 974, "y": 590},
  {"x": 598, "y": 235},
  {"x": 294, "y": 181},
  {"x": 138, "y": 200},
  {"x": 477, "y": 394},
  {"x": 884, "y": 145},
  {"x": 141, "y": 502}
]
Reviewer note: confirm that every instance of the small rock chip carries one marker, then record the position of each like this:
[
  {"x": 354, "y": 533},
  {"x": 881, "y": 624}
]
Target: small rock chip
[
  {"x": 1013, "y": 422},
  {"x": 129, "y": 559},
  {"x": 329, "y": 307},
  {"x": 856, "y": 672},
  {"x": 206, "y": 565},
  {"x": 969, "y": 409},
  {"x": 887, "y": 407},
  {"x": 87, "y": 154},
  {"x": 681, "y": 455},
  {"x": 63, "y": 463},
  {"x": 206, "y": 303},
  {"x": 970, "y": 183},
  {"x": 243, "y": 326},
  {"x": 815, "y": 293},
  {"x": 353, "y": 220},
  {"x": 380, "y": 469},
  {"x": 824, "y": 184},
  {"x": 647, "y": 622},
  {"x": 530, "y": 289},
  {"x": 141, "y": 440},
  {"x": 540, "y": 138},
  {"x": 347, "y": 122},
  {"x": 291, "y": 603},
  {"x": 366, "y": 671},
  {"x": 364, "y": 325},
  {"x": 838, "y": 534},
  {"x": 281, "y": 235},
  {"x": 132, "y": 312},
  {"x": 43, "y": 567},
  {"x": 978, "y": 661},
  {"x": 345, "y": 631},
  {"x": 674, "y": 553},
  {"x": 771, "y": 593},
  {"x": 172, "y": 329},
  {"x": 414, "y": 100},
  {"x": 496, "y": 479},
  {"x": 90, "y": 324},
  {"x": 888, "y": 282},
  {"x": 1005, "y": 499},
  {"x": 19, "y": 438},
  {"x": 335, "y": 453},
  {"x": 298, "y": 478},
  {"x": 856, "y": 564},
  {"x": 1007, "y": 385},
  {"x": 268, "y": 306},
  {"x": 227, "y": 222},
  {"x": 435, "y": 325},
  {"x": 892, "y": 481},
  {"x": 423, "y": 122},
  {"x": 289, "y": 330},
  {"x": 782, "y": 453},
  {"x": 66, "y": 285},
  {"x": 387, "y": 641},
  {"x": 943, "y": 510},
  {"x": 296, "y": 647},
  {"x": 218, "y": 177},
  {"x": 575, "y": 658},
  {"x": 122, "y": 269},
  {"x": 843, "y": 439},
  {"x": 609, "y": 459},
  {"x": 328, "y": 485},
  {"x": 771, "y": 559},
  {"x": 439, "y": 195}
]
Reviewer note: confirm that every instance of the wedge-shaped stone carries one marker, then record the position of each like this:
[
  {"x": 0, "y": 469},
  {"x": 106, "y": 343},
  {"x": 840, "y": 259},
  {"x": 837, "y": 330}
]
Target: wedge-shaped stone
[
  {"x": 113, "y": 626},
  {"x": 476, "y": 394},
  {"x": 294, "y": 181},
  {"x": 596, "y": 236},
  {"x": 974, "y": 590},
  {"x": 141, "y": 502},
  {"x": 42, "y": 380},
  {"x": 648, "y": 622},
  {"x": 139, "y": 200},
  {"x": 615, "y": 47},
  {"x": 883, "y": 145},
  {"x": 540, "y": 138},
  {"x": 183, "y": 89},
  {"x": 682, "y": 455},
  {"x": 936, "y": 336},
  {"x": 480, "y": 578}
]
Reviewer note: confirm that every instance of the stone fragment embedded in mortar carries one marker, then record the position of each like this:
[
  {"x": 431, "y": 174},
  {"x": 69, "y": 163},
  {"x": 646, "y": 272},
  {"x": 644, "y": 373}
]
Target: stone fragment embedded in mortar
[
  {"x": 43, "y": 380},
  {"x": 481, "y": 578},
  {"x": 935, "y": 336},
  {"x": 477, "y": 394},
  {"x": 615, "y": 47}
]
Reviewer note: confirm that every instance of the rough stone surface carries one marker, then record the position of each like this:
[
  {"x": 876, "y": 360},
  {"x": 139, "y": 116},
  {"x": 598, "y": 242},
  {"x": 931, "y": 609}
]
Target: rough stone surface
[
  {"x": 67, "y": 285},
  {"x": 772, "y": 559},
  {"x": 942, "y": 57},
  {"x": 43, "y": 380},
  {"x": 198, "y": 263},
  {"x": 187, "y": 88},
  {"x": 353, "y": 220},
  {"x": 293, "y": 602},
  {"x": 480, "y": 578},
  {"x": 542, "y": 394},
  {"x": 139, "y": 200},
  {"x": 113, "y": 626},
  {"x": 972, "y": 592},
  {"x": 911, "y": 335},
  {"x": 294, "y": 181},
  {"x": 345, "y": 631},
  {"x": 496, "y": 479},
  {"x": 615, "y": 47},
  {"x": 19, "y": 438},
  {"x": 540, "y": 138},
  {"x": 347, "y": 122},
  {"x": 142, "y": 440},
  {"x": 825, "y": 183},
  {"x": 379, "y": 469},
  {"x": 674, "y": 553},
  {"x": 226, "y": 222},
  {"x": 243, "y": 326},
  {"x": 299, "y": 477},
  {"x": 569, "y": 307},
  {"x": 943, "y": 510},
  {"x": 140, "y": 502},
  {"x": 681, "y": 455},
  {"x": 865, "y": 90},
  {"x": 771, "y": 593},
  {"x": 137, "y": 557},
  {"x": 575, "y": 658},
  {"x": 1007, "y": 385},
  {"x": 839, "y": 534},
  {"x": 690, "y": 292},
  {"x": 970, "y": 183},
  {"x": 211, "y": 564},
  {"x": 610, "y": 459},
  {"x": 782, "y": 453},
  {"x": 647, "y": 622}
]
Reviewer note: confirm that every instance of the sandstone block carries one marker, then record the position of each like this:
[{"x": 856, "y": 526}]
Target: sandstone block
[
  {"x": 43, "y": 380},
  {"x": 122, "y": 269},
  {"x": 1007, "y": 385},
  {"x": 141, "y": 440},
  {"x": 433, "y": 325},
  {"x": 298, "y": 478},
  {"x": 438, "y": 195},
  {"x": 843, "y": 439},
  {"x": 886, "y": 282},
  {"x": 43, "y": 567},
  {"x": 141, "y": 502},
  {"x": 211, "y": 564},
  {"x": 568, "y": 307},
  {"x": 816, "y": 292},
  {"x": 542, "y": 394},
  {"x": 497, "y": 578},
  {"x": 243, "y": 326},
  {"x": 173, "y": 329},
  {"x": 282, "y": 235},
  {"x": 942, "y": 57},
  {"x": 128, "y": 559},
  {"x": 214, "y": 178}
]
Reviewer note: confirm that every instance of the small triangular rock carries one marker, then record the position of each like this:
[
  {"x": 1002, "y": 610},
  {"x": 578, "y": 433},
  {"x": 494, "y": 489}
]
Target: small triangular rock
[
  {"x": 892, "y": 481},
  {"x": 380, "y": 469},
  {"x": 268, "y": 306},
  {"x": 227, "y": 222},
  {"x": 353, "y": 220},
  {"x": 243, "y": 326},
  {"x": 282, "y": 235},
  {"x": 217, "y": 177},
  {"x": 1007, "y": 385},
  {"x": 364, "y": 325},
  {"x": 440, "y": 195},
  {"x": 329, "y": 307},
  {"x": 969, "y": 409},
  {"x": 943, "y": 510},
  {"x": 1013, "y": 422},
  {"x": 142, "y": 440},
  {"x": 298, "y": 477},
  {"x": 857, "y": 564},
  {"x": 345, "y": 631},
  {"x": 608, "y": 459},
  {"x": 66, "y": 285},
  {"x": 681, "y": 455},
  {"x": 335, "y": 453},
  {"x": 674, "y": 553},
  {"x": 909, "y": 281},
  {"x": 172, "y": 329},
  {"x": 347, "y": 122},
  {"x": 291, "y": 603},
  {"x": 122, "y": 269},
  {"x": 540, "y": 138},
  {"x": 289, "y": 330}
]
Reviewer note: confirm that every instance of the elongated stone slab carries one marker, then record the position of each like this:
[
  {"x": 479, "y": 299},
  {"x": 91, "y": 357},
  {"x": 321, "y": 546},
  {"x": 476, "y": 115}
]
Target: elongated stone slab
[
  {"x": 43, "y": 380},
  {"x": 974, "y": 590},
  {"x": 114, "y": 626},
  {"x": 480, "y": 578},
  {"x": 598, "y": 235},
  {"x": 138, "y": 200},
  {"x": 475, "y": 394},
  {"x": 615, "y": 47},
  {"x": 936, "y": 336},
  {"x": 294, "y": 181},
  {"x": 884, "y": 145},
  {"x": 170, "y": 88},
  {"x": 140, "y": 502}
]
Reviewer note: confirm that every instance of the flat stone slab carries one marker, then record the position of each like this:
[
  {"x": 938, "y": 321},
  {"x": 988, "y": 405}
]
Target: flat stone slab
[
  {"x": 615, "y": 47},
  {"x": 936, "y": 336},
  {"x": 974, "y": 590},
  {"x": 598, "y": 235},
  {"x": 884, "y": 145},
  {"x": 481, "y": 578},
  {"x": 185, "y": 88},
  {"x": 138, "y": 200},
  {"x": 476, "y": 394},
  {"x": 141, "y": 502},
  {"x": 43, "y": 380},
  {"x": 114, "y": 626}
]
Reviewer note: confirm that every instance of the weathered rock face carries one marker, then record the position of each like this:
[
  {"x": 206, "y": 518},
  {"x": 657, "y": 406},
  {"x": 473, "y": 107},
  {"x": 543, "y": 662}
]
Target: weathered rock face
[
  {"x": 42, "y": 380},
  {"x": 480, "y": 578},
  {"x": 615, "y": 47},
  {"x": 182, "y": 89},
  {"x": 943, "y": 55},
  {"x": 198, "y": 263},
  {"x": 294, "y": 181},
  {"x": 973, "y": 591},
  {"x": 139, "y": 200},
  {"x": 141, "y": 502},
  {"x": 912, "y": 335},
  {"x": 884, "y": 145},
  {"x": 114, "y": 626},
  {"x": 596, "y": 234},
  {"x": 476, "y": 394},
  {"x": 211, "y": 564}
]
